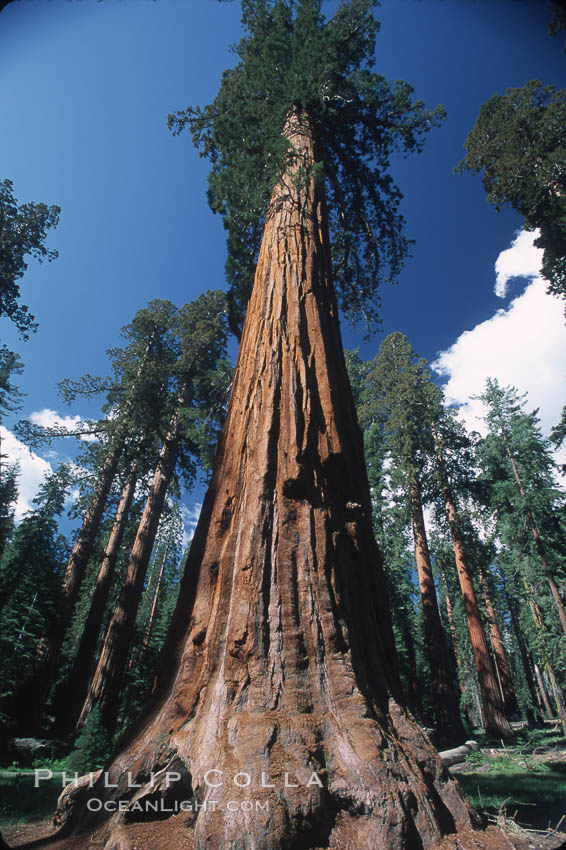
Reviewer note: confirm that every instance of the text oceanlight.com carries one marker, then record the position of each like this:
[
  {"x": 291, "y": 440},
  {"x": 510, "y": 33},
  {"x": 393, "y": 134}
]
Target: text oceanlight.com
[{"x": 160, "y": 806}]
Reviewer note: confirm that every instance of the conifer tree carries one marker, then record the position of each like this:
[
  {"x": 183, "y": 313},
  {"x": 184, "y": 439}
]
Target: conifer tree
[
  {"x": 30, "y": 585},
  {"x": 390, "y": 520},
  {"x": 280, "y": 653},
  {"x": 201, "y": 336},
  {"x": 519, "y": 467},
  {"x": 410, "y": 403},
  {"x": 70, "y": 701},
  {"x": 135, "y": 404},
  {"x": 495, "y": 720}
]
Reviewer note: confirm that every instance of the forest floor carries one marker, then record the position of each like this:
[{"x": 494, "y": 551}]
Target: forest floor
[{"x": 520, "y": 790}]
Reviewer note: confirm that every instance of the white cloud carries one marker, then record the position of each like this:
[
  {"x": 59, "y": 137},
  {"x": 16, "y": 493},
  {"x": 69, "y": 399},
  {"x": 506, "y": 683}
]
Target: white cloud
[
  {"x": 48, "y": 418},
  {"x": 33, "y": 470},
  {"x": 523, "y": 346},
  {"x": 190, "y": 518},
  {"x": 522, "y": 259}
]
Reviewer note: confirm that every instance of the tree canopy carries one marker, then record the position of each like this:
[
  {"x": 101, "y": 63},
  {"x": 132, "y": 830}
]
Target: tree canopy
[
  {"x": 292, "y": 58},
  {"x": 23, "y": 230},
  {"x": 519, "y": 144}
]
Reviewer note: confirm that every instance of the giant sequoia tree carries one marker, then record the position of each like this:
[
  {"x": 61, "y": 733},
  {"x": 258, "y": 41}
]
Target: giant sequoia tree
[{"x": 280, "y": 657}]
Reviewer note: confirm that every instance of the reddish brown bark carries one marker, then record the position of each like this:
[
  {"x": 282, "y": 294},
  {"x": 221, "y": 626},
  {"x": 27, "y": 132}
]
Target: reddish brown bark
[
  {"x": 466, "y": 676},
  {"x": 73, "y": 695},
  {"x": 501, "y": 661},
  {"x": 280, "y": 658},
  {"x": 496, "y": 723},
  {"x": 107, "y": 679},
  {"x": 35, "y": 693},
  {"x": 448, "y": 723}
]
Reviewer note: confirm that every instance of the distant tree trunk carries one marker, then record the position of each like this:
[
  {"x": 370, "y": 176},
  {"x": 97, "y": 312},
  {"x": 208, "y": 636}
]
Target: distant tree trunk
[
  {"x": 534, "y": 717},
  {"x": 148, "y": 628},
  {"x": 537, "y": 538},
  {"x": 450, "y": 614},
  {"x": 414, "y": 690},
  {"x": 544, "y": 694},
  {"x": 72, "y": 696},
  {"x": 502, "y": 666},
  {"x": 137, "y": 655},
  {"x": 558, "y": 698},
  {"x": 280, "y": 658},
  {"x": 496, "y": 723},
  {"x": 107, "y": 679},
  {"x": 465, "y": 671},
  {"x": 35, "y": 692},
  {"x": 448, "y": 723}
]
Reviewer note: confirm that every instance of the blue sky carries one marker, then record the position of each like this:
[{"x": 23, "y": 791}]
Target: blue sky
[{"x": 85, "y": 89}]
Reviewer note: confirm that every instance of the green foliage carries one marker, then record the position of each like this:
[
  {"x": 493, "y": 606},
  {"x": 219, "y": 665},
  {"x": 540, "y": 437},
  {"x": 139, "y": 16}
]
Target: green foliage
[
  {"x": 155, "y": 611},
  {"x": 406, "y": 398},
  {"x": 30, "y": 581},
  {"x": 8, "y": 496},
  {"x": 527, "y": 788},
  {"x": 390, "y": 522},
  {"x": 93, "y": 746},
  {"x": 10, "y": 364},
  {"x": 292, "y": 58},
  {"x": 519, "y": 145},
  {"x": 21, "y": 802},
  {"x": 23, "y": 231},
  {"x": 515, "y": 437}
]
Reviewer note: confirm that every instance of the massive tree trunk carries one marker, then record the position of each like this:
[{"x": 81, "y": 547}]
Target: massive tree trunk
[
  {"x": 72, "y": 696},
  {"x": 34, "y": 694},
  {"x": 107, "y": 679},
  {"x": 502, "y": 666},
  {"x": 448, "y": 723},
  {"x": 280, "y": 659},
  {"x": 496, "y": 723}
]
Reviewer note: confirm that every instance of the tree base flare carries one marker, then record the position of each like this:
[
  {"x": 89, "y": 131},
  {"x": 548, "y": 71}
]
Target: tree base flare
[{"x": 278, "y": 703}]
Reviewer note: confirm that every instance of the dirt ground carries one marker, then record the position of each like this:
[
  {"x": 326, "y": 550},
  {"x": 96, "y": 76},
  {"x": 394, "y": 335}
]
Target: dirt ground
[{"x": 173, "y": 834}]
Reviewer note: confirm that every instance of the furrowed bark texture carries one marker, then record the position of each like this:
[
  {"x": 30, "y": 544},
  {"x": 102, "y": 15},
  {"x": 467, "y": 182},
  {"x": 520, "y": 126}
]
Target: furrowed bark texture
[
  {"x": 448, "y": 722},
  {"x": 496, "y": 723},
  {"x": 73, "y": 695},
  {"x": 280, "y": 658}
]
